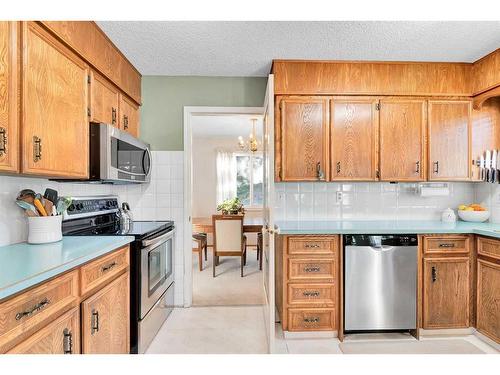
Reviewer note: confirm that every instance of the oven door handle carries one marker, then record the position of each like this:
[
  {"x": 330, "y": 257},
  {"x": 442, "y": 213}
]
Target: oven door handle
[{"x": 162, "y": 238}]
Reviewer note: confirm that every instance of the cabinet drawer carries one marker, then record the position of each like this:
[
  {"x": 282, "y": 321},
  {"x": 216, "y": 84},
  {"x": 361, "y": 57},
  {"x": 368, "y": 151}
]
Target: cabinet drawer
[
  {"x": 23, "y": 315},
  {"x": 99, "y": 272},
  {"x": 446, "y": 244},
  {"x": 311, "y": 319},
  {"x": 60, "y": 337},
  {"x": 312, "y": 245},
  {"x": 299, "y": 294},
  {"x": 488, "y": 247},
  {"x": 311, "y": 269}
]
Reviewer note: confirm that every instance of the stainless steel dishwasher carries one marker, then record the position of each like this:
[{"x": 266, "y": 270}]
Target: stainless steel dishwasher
[{"x": 380, "y": 282}]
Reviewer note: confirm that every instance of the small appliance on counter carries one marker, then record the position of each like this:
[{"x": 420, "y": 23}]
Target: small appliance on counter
[
  {"x": 151, "y": 260},
  {"x": 448, "y": 216}
]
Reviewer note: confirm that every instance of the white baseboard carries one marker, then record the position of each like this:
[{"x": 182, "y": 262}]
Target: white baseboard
[
  {"x": 310, "y": 335},
  {"x": 487, "y": 340},
  {"x": 446, "y": 332}
]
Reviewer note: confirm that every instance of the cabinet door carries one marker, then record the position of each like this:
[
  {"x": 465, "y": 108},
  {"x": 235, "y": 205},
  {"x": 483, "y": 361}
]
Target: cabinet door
[
  {"x": 103, "y": 100},
  {"x": 488, "y": 299},
  {"x": 302, "y": 134},
  {"x": 402, "y": 139},
  {"x": 446, "y": 293},
  {"x": 449, "y": 140},
  {"x": 9, "y": 116},
  {"x": 129, "y": 116},
  {"x": 354, "y": 137},
  {"x": 55, "y": 130},
  {"x": 62, "y": 336},
  {"x": 105, "y": 319}
]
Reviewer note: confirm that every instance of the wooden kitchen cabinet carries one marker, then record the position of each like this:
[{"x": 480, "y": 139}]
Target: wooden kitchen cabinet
[
  {"x": 449, "y": 139},
  {"x": 403, "y": 124},
  {"x": 9, "y": 93},
  {"x": 488, "y": 299},
  {"x": 446, "y": 293},
  {"x": 105, "y": 319},
  {"x": 129, "y": 116},
  {"x": 104, "y": 100},
  {"x": 55, "y": 129},
  {"x": 62, "y": 336},
  {"x": 354, "y": 139},
  {"x": 302, "y": 139}
]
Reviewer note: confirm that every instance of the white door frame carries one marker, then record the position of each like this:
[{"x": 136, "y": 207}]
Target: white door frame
[{"x": 189, "y": 113}]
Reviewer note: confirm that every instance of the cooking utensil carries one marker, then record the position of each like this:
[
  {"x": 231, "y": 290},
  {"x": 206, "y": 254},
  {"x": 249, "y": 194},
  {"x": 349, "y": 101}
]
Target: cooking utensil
[
  {"x": 498, "y": 167},
  {"x": 51, "y": 195},
  {"x": 482, "y": 171},
  {"x": 487, "y": 166},
  {"x": 62, "y": 204},
  {"x": 48, "y": 205},
  {"x": 29, "y": 208},
  {"x": 39, "y": 206},
  {"x": 26, "y": 195},
  {"x": 493, "y": 175}
]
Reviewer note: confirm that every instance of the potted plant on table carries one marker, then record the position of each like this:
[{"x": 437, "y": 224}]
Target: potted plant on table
[{"x": 231, "y": 207}]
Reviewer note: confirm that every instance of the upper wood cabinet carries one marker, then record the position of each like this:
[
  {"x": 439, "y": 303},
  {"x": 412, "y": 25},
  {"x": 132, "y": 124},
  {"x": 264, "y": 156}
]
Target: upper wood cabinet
[
  {"x": 449, "y": 139},
  {"x": 105, "y": 319},
  {"x": 9, "y": 94},
  {"x": 104, "y": 100},
  {"x": 129, "y": 116},
  {"x": 354, "y": 138},
  {"x": 403, "y": 125},
  {"x": 446, "y": 293},
  {"x": 302, "y": 139},
  {"x": 55, "y": 128}
]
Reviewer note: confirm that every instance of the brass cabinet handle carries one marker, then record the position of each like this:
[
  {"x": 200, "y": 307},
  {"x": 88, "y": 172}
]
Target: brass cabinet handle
[
  {"x": 125, "y": 122},
  {"x": 37, "y": 148},
  {"x": 108, "y": 267},
  {"x": 433, "y": 274},
  {"x": 314, "y": 293},
  {"x": 319, "y": 173},
  {"x": 312, "y": 269},
  {"x": 3, "y": 141},
  {"x": 338, "y": 167},
  {"x": 113, "y": 115},
  {"x": 94, "y": 324},
  {"x": 446, "y": 245},
  {"x": 39, "y": 306},
  {"x": 67, "y": 341},
  {"x": 309, "y": 246},
  {"x": 436, "y": 167},
  {"x": 314, "y": 319},
  {"x": 417, "y": 171}
]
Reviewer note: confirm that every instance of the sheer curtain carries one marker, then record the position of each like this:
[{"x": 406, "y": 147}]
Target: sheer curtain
[{"x": 226, "y": 175}]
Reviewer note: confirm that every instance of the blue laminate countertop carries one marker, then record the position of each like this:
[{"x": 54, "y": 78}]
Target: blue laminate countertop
[
  {"x": 387, "y": 227},
  {"x": 23, "y": 265}
]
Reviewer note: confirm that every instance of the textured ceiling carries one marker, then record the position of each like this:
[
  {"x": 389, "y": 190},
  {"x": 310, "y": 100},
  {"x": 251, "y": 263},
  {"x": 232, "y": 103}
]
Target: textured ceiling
[
  {"x": 225, "y": 126},
  {"x": 213, "y": 48}
]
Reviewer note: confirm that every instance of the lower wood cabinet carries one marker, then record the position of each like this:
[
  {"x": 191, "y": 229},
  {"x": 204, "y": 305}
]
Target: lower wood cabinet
[
  {"x": 488, "y": 299},
  {"x": 62, "y": 336},
  {"x": 105, "y": 319},
  {"x": 446, "y": 293}
]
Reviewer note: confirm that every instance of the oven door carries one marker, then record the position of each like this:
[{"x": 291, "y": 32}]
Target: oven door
[{"x": 157, "y": 262}]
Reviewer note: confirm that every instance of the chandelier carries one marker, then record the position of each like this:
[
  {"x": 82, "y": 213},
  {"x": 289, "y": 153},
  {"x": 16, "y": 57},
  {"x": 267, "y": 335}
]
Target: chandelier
[{"x": 252, "y": 144}]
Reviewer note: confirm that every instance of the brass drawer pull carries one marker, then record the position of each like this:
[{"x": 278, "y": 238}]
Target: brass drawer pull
[
  {"x": 319, "y": 172},
  {"x": 446, "y": 245},
  {"x": 311, "y": 293},
  {"x": 417, "y": 171},
  {"x": 434, "y": 274},
  {"x": 67, "y": 341},
  {"x": 94, "y": 324},
  {"x": 113, "y": 116},
  {"x": 312, "y": 269},
  {"x": 125, "y": 122},
  {"x": 43, "y": 303},
  {"x": 37, "y": 148},
  {"x": 3, "y": 141},
  {"x": 311, "y": 246},
  {"x": 338, "y": 167},
  {"x": 108, "y": 267},
  {"x": 314, "y": 319},
  {"x": 436, "y": 167}
]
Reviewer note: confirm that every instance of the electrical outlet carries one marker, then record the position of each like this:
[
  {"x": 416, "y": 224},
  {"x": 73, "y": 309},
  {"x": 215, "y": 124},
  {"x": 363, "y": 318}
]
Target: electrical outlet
[{"x": 339, "y": 196}]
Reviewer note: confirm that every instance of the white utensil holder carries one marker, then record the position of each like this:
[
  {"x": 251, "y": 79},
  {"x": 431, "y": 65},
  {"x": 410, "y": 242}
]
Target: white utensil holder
[{"x": 44, "y": 229}]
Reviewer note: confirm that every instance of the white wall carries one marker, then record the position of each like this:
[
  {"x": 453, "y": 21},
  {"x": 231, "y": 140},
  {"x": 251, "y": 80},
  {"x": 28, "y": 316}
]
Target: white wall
[{"x": 489, "y": 196}]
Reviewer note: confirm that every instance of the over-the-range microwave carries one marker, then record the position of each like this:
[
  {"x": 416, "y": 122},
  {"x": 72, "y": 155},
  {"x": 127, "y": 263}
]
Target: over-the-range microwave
[{"x": 117, "y": 157}]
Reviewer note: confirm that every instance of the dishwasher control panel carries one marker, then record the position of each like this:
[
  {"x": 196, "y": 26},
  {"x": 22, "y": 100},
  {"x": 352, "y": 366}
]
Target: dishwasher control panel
[{"x": 375, "y": 240}]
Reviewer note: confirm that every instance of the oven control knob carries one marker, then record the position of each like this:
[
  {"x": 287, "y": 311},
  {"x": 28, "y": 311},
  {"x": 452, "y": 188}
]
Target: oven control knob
[
  {"x": 71, "y": 207},
  {"x": 79, "y": 206}
]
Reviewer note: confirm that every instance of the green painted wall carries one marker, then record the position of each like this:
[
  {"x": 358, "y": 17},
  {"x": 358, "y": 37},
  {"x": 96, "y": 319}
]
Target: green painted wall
[{"x": 164, "y": 98}]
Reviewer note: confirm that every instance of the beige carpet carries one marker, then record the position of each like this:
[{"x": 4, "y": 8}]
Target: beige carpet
[
  {"x": 411, "y": 347},
  {"x": 228, "y": 288}
]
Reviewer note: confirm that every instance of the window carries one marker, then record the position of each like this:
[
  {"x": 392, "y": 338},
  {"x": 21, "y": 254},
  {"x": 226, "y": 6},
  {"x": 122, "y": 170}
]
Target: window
[{"x": 249, "y": 179}]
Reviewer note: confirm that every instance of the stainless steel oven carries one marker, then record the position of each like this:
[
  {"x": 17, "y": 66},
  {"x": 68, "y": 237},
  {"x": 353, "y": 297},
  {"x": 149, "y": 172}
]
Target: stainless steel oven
[{"x": 118, "y": 157}]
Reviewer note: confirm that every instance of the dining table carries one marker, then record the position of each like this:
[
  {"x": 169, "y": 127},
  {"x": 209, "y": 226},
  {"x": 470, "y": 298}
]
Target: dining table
[{"x": 205, "y": 225}]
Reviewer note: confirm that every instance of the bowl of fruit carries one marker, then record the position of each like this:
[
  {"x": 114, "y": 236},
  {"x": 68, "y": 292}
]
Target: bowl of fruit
[{"x": 473, "y": 212}]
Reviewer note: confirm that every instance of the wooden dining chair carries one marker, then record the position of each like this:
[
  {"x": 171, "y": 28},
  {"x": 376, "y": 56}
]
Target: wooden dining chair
[
  {"x": 229, "y": 239},
  {"x": 201, "y": 244},
  {"x": 260, "y": 249}
]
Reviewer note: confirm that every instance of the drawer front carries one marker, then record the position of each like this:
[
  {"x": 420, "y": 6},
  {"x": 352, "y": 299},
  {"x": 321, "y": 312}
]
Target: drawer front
[
  {"x": 300, "y": 294},
  {"x": 446, "y": 244},
  {"x": 23, "y": 315},
  {"x": 99, "y": 272},
  {"x": 312, "y": 245},
  {"x": 488, "y": 247},
  {"x": 311, "y": 319},
  {"x": 60, "y": 337},
  {"x": 311, "y": 269}
]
